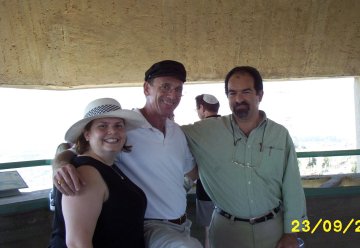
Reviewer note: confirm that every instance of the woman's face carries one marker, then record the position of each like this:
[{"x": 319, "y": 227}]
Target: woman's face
[{"x": 106, "y": 135}]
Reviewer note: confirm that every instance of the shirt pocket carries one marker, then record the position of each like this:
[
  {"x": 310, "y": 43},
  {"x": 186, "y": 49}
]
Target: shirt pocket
[{"x": 270, "y": 162}]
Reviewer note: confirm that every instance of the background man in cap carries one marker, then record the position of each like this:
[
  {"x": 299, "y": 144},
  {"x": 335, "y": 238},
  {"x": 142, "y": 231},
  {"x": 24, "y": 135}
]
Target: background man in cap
[
  {"x": 207, "y": 106},
  {"x": 248, "y": 166},
  {"x": 159, "y": 159}
]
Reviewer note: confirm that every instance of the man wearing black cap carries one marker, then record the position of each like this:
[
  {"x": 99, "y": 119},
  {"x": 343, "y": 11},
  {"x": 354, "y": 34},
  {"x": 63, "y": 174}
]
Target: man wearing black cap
[
  {"x": 207, "y": 106},
  {"x": 158, "y": 161}
]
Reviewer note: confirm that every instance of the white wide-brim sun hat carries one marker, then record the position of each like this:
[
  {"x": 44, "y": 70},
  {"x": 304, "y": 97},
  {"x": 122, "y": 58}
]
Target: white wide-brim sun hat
[{"x": 103, "y": 108}]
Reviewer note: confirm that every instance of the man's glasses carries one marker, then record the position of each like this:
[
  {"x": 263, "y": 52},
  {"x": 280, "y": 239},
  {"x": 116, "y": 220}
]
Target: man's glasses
[{"x": 235, "y": 142}]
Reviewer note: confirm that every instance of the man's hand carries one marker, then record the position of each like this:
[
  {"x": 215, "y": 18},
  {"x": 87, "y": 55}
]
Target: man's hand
[
  {"x": 65, "y": 176},
  {"x": 288, "y": 240},
  {"x": 67, "y": 179},
  {"x": 193, "y": 174}
]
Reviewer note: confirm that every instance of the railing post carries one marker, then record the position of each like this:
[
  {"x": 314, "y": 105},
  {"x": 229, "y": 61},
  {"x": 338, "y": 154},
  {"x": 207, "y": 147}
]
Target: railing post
[{"x": 357, "y": 117}]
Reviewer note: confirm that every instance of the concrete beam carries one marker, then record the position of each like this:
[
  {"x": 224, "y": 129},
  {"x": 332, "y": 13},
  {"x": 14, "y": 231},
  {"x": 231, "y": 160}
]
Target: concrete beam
[{"x": 64, "y": 44}]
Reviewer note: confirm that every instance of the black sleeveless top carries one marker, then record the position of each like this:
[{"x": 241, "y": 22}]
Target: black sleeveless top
[{"x": 121, "y": 221}]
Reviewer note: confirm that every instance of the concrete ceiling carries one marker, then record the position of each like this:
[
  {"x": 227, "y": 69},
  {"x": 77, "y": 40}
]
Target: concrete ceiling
[{"x": 63, "y": 44}]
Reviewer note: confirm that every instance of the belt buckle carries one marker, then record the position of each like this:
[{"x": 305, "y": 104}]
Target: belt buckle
[
  {"x": 252, "y": 221},
  {"x": 180, "y": 220}
]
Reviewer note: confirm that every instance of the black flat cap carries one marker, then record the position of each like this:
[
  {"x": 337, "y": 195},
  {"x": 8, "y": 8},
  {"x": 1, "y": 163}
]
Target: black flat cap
[{"x": 166, "y": 68}]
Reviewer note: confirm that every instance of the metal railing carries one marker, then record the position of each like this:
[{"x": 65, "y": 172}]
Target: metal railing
[
  {"x": 38, "y": 200},
  {"x": 44, "y": 162},
  {"x": 23, "y": 164},
  {"x": 333, "y": 153}
]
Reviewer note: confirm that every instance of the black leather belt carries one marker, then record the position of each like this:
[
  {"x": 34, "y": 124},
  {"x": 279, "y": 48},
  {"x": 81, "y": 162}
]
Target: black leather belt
[
  {"x": 178, "y": 221},
  {"x": 252, "y": 221}
]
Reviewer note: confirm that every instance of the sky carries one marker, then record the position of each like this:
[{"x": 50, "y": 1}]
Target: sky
[
  {"x": 34, "y": 121},
  {"x": 319, "y": 115}
]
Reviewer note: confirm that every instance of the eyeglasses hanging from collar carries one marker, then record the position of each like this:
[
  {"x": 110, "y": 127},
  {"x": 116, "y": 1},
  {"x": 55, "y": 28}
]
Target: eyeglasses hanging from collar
[{"x": 236, "y": 140}]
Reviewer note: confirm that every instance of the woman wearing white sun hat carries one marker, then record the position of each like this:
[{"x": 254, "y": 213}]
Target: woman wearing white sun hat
[{"x": 109, "y": 211}]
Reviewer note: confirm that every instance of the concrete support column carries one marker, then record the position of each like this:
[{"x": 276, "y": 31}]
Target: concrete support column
[{"x": 357, "y": 117}]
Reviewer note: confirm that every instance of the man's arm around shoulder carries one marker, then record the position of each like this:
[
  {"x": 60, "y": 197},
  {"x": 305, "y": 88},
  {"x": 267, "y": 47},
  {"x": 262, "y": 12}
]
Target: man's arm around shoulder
[{"x": 65, "y": 176}]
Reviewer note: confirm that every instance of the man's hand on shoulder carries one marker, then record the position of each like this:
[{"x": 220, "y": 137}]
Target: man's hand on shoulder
[
  {"x": 67, "y": 179},
  {"x": 65, "y": 176}
]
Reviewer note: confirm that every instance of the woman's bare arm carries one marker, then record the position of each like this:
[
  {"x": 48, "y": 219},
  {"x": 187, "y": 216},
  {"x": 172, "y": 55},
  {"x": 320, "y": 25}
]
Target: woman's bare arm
[{"x": 81, "y": 212}]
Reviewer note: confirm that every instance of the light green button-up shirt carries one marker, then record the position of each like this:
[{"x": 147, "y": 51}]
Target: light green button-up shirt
[{"x": 248, "y": 176}]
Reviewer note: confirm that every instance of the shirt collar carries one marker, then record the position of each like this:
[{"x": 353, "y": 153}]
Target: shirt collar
[
  {"x": 148, "y": 125},
  {"x": 212, "y": 116},
  {"x": 264, "y": 118},
  {"x": 233, "y": 124}
]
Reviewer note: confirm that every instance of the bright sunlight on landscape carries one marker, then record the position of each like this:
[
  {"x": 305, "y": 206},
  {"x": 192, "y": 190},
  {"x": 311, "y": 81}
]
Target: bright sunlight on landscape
[{"x": 319, "y": 115}]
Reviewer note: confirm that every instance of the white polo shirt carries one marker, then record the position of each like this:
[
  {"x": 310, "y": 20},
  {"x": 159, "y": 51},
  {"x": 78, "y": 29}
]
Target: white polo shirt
[{"x": 157, "y": 164}]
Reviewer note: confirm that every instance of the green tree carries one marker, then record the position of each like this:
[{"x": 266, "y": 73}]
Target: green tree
[
  {"x": 312, "y": 162},
  {"x": 326, "y": 163}
]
